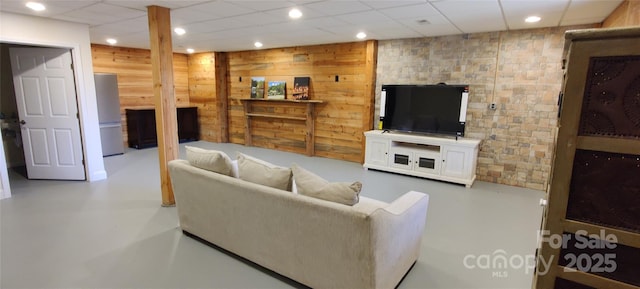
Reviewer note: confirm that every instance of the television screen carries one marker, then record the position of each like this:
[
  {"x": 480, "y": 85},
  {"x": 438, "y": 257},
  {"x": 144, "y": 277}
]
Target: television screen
[{"x": 437, "y": 109}]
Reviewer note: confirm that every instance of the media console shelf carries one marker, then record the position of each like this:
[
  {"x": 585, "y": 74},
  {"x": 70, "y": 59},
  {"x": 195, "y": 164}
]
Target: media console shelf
[
  {"x": 308, "y": 118},
  {"x": 446, "y": 159}
]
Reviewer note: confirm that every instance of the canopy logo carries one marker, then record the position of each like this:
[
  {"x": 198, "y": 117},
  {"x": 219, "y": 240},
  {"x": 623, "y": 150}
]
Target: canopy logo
[{"x": 591, "y": 256}]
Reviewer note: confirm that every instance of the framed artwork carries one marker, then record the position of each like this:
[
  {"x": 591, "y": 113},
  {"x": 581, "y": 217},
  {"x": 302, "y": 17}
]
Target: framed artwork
[
  {"x": 276, "y": 90},
  {"x": 257, "y": 87},
  {"x": 301, "y": 88}
]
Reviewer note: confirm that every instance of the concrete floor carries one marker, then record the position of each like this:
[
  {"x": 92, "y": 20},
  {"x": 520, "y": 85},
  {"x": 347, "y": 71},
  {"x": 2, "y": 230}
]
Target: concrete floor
[{"x": 114, "y": 233}]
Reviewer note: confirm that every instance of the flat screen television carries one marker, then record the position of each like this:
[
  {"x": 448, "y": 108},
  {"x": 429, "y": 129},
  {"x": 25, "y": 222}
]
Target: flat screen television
[{"x": 429, "y": 109}]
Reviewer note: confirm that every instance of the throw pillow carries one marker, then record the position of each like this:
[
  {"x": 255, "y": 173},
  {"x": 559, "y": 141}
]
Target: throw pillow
[
  {"x": 312, "y": 185},
  {"x": 260, "y": 172},
  {"x": 211, "y": 160}
]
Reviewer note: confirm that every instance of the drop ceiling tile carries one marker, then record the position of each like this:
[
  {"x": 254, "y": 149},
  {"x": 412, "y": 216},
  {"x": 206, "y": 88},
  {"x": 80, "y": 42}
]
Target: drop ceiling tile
[
  {"x": 418, "y": 21},
  {"x": 438, "y": 25},
  {"x": 142, "y": 4},
  {"x": 265, "y": 5},
  {"x": 412, "y": 11},
  {"x": 473, "y": 16},
  {"x": 209, "y": 11},
  {"x": 247, "y": 33},
  {"x": 384, "y": 34},
  {"x": 297, "y": 34},
  {"x": 469, "y": 10},
  {"x": 259, "y": 19},
  {"x": 363, "y": 18},
  {"x": 480, "y": 25},
  {"x": 437, "y": 30},
  {"x": 380, "y": 4},
  {"x": 139, "y": 24},
  {"x": 214, "y": 25},
  {"x": 100, "y": 13},
  {"x": 322, "y": 22},
  {"x": 283, "y": 13},
  {"x": 334, "y": 7},
  {"x": 52, "y": 8},
  {"x": 516, "y": 11},
  {"x": 582, "y": 9},
  {"x": 581, "y": 21},
  {"x": 529, "y": 7},
  {"x": 549, "y": 19}
]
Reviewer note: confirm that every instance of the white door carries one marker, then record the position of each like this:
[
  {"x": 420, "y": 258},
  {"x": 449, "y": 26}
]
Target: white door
[
  {"x": 377, "y": 152},
  {"x": 48, "y": 112},
  {"x": 453, "y": 163}
]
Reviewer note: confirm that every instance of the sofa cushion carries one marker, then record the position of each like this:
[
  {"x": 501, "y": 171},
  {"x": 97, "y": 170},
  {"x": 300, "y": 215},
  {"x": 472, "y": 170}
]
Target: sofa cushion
[
  {"x": 260, "y": 172},
  {"x": 212, "y": 160},
  {"x": 312, "y": 185}
]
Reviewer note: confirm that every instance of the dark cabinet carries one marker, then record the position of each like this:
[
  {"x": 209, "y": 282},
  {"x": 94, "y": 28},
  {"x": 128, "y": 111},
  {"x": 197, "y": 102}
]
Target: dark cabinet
[
  {"x": 188, "y": 129},
  {"x": 141, "y": 126}
]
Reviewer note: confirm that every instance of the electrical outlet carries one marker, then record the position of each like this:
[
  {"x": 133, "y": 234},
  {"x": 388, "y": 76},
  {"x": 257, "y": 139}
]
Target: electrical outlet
[{"x": 493, "y": 106}]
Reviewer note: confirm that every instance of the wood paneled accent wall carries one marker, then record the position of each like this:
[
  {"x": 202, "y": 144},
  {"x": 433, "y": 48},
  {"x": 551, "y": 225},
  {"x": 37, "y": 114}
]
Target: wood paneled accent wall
[
  {"x": 627, "y": 14},
  {"x": 202, "y": 93},
  {"x": 342, "y": 76},
  {"x": 133, "y": 67}
]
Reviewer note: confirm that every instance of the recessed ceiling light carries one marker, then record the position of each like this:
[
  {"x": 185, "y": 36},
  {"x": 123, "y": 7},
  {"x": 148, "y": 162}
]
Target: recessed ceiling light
[
  {"x": 179, "y": 31},
  {"x": 112, "y": 41},
  {"x": 295, "y": 13},
  {"x": 35, "y": 6},
  {"x": 190, "y": 50},
  {"x": 532, "y": 19},
  {"x": 257, "y": 44},
  {"x": 361, "y": 35}
]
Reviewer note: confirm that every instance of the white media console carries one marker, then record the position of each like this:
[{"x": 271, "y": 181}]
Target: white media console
[{"x": 446, "y": 159}]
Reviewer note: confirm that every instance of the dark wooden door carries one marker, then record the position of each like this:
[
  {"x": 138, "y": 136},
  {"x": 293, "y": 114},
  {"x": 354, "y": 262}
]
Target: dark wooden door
[{"x": 592, "y": 226}]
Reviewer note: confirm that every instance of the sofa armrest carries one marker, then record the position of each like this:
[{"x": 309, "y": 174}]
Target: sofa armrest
[
  {"x": 397, "y": 235},
  {"x": 406, "y": 202}
]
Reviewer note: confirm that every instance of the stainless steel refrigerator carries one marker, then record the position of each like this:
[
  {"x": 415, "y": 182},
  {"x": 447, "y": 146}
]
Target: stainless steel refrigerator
[{"x": 109, "y": 113}]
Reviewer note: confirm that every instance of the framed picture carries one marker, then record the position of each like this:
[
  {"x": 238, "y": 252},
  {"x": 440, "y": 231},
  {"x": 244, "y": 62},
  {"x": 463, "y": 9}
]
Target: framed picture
[
  {"x": 301, "y": 88},
  {"x": 276, "y": 90},
  {"x": 257, "y": 87}
]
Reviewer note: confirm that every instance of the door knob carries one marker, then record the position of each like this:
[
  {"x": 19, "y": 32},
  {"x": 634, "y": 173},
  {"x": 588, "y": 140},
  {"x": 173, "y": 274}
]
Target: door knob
[{"x": 23, "y": 122}]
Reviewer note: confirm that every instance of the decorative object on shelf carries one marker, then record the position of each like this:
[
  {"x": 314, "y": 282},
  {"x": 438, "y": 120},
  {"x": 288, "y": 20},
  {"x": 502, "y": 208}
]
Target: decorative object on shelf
[
  {"x": 257, "y": 87},
  {"x": 276, "y": 90},
  {"x": 301, "y": 88}
]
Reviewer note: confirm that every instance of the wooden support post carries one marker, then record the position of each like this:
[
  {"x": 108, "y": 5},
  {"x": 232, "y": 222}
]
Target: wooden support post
[
  {"x": 371, "y": 62},
  {"x": 222, "y": 95},
  {"x": 163, "y": 95}
]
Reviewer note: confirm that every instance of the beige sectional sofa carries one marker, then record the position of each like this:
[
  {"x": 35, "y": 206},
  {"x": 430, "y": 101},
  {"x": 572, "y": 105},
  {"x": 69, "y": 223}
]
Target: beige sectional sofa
[{"x": 315, "y": 242}]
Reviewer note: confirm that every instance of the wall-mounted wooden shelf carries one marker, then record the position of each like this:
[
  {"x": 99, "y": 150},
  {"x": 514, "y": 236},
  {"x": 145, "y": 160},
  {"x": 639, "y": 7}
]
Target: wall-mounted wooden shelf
[{"x": 308, "y": 118}]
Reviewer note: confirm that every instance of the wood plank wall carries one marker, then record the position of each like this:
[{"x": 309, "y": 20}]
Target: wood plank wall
[
  {"x": 202, "y": 93},
  {"x": 133, "y": 67},
  {"x": 627, "y": 14},
  {"x": 341, "y": 120}
]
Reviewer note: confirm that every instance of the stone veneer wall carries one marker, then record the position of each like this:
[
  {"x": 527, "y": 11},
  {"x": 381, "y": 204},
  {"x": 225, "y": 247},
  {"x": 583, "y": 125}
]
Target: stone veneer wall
[{"x": 520, "y": 71}]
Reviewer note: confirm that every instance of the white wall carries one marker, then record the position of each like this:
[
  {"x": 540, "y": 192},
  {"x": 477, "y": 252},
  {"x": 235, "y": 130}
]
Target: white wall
[
  {"x": 23, "y": 29},
  {"x": 5, "y": 190}
]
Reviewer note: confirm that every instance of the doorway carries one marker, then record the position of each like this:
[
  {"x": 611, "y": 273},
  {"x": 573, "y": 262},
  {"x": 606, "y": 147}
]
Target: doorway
[{"x": 13, "y": 143}]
